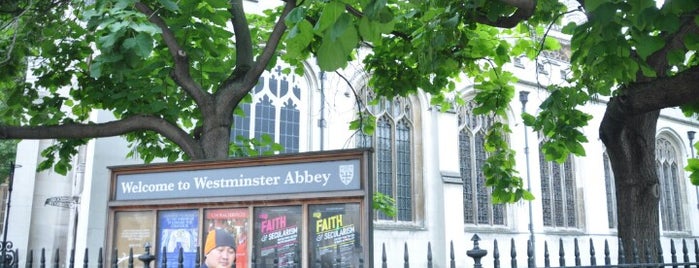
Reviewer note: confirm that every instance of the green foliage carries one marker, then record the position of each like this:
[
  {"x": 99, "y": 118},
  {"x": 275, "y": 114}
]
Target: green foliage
[{"x": 384, "y": 204}]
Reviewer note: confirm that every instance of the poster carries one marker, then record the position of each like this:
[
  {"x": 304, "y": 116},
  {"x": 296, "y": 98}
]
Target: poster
[
  {"x": 234, "y": 221},
  {"x": 334, "y": 229},
  {"x": 178, "y": 229},
  {"x": 133, "y": 229},
  {"x": 277, "y": 235}
]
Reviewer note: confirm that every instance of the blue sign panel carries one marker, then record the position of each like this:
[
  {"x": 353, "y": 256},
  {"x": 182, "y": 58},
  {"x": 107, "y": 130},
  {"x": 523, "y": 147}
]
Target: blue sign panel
[
  {"x": 339, "y": 175},
  {"x": 178, "y": 230}
]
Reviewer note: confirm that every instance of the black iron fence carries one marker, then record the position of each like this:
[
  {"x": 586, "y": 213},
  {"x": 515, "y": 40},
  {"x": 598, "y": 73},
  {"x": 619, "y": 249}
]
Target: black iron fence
[{"x": 475, "y": 257}]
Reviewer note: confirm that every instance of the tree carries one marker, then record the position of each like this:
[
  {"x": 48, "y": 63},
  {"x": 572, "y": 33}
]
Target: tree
[
  {"x": 173, "y": 72},
  {"x": 642, "y": 55}
]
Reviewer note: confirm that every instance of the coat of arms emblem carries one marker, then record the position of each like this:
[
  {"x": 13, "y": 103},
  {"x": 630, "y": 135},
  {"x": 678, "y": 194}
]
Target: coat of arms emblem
[{"x": 346, "y": 174}]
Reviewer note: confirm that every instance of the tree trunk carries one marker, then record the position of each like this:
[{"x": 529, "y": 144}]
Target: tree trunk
[
  {"x": 215, "y": 136},
  {"x": 630, "y": 144}
]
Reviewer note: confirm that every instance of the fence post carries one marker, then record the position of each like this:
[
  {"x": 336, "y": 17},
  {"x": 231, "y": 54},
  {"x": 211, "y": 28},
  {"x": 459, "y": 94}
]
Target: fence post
[
  {"x": 496, "y": 255},
  {"x": 405, "y": 256},
  {"x": 429, "y": 255},
  {"x": 146, "y": 258},
  {"x": 476, "y": 253}
]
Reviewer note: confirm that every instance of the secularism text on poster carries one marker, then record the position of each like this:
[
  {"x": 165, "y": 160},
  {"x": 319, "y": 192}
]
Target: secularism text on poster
[{"x": 334, "y": 234}]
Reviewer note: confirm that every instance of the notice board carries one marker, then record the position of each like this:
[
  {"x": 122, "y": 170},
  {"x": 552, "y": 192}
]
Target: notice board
[{"x": 278, "y": 211}]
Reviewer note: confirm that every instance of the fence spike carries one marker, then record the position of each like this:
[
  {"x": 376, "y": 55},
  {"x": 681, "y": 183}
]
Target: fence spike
[
  {"x": 561, "y": 254},
  {"x": 622, "y": 257},
  {"x": 100, "y": 258},
  {"x": 114, "y": 259},
  {"x": 86, "y": 259},
  {"x": 429, "y": 254},
  {"x": 649, "y": 258},
  {"x": 673, "y": 251},
  {"x": 163, "y": 260},
  {"x": 513, "y": 254},
  {"x": 547, "y": 260},
  {"x": 685, "y": 252},
  {"x": 42, "y": 261},
  {"x": 30, "y": 258},
  {"x": 71, "y": 260},
  {"x": 383, "y": 256},
  {"x": 56, "y": 258},
  {"x": 576, "y": 251},
  {"x": 180, "y": 258},
  {"x": 130, "y": 261},
  {"x": 593, "y": 260},
  {"x": 452, "y": 262},
  {"x": 197, "y": 258},
  {"x": 405, "y": 256},
  {"x": 607, "y": 257},
  {"x": 496, "y": 254},
  {"x": 530, "y": 254}
]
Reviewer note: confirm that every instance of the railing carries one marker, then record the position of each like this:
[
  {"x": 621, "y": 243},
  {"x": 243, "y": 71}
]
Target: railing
[{"x": 475, "y": 256}]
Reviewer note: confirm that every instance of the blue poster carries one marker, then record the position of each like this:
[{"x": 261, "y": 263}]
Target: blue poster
[{"x": 178, "y": 229}]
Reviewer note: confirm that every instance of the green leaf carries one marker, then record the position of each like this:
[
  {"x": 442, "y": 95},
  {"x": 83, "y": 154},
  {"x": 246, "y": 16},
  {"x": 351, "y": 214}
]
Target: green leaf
[
  {"x": 295, "y": 16},
  {"x": 369, "y": 31},
  {"x": 170, "y": 5},
  {"x": 691, "y": 41},
  {"x": 298, "y": 38},
  {"x": 647, "y": 44},
  {"x": 331, "y": 12}
]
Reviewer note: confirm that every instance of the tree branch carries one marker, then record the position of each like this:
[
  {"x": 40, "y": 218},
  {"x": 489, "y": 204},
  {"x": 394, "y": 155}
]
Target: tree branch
[
  {"x": 270, "y": 49},
  {"x": 243, "y": 42},
  {"x": 108, "y": 129},
  {"x": 659, "y": 93},
  {"x": 658, "y": 60},
  {"x": 180, "y": 74}
]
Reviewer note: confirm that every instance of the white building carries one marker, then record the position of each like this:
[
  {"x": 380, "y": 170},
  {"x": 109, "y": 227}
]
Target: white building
[{"x": 430, "y": 161}]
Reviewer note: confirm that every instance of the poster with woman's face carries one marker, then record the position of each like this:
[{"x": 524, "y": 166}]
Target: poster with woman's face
[
  {"x": 234, "y": 222},
  {"x": 277, "y": 235}
]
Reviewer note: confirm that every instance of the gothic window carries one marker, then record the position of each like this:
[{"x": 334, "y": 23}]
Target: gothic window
[
  {"x": 670, "y": 185},
  {"x": 393, "y": 154},
  {"x": 478, "y": 207},
  {"x": 558, "y": 196},
  {"x": 611, "y": 191},
  {"x": 274, "y": 112}
]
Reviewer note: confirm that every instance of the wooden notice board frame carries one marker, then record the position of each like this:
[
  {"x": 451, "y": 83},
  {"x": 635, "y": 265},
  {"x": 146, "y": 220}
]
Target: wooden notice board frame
[{"x": 176, "y": 201}]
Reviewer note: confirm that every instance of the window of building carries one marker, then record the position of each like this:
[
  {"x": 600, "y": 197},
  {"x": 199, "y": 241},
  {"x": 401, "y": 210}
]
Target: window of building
[
  {"x": 610, "y": 190},
  {"x": 276, "y": 111},
  {"x": 393, "y": 143},
  {"x": 478, "y": 206},
  {"x": 558, "y": 197},
  {"x": 670, "y": 185}
]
